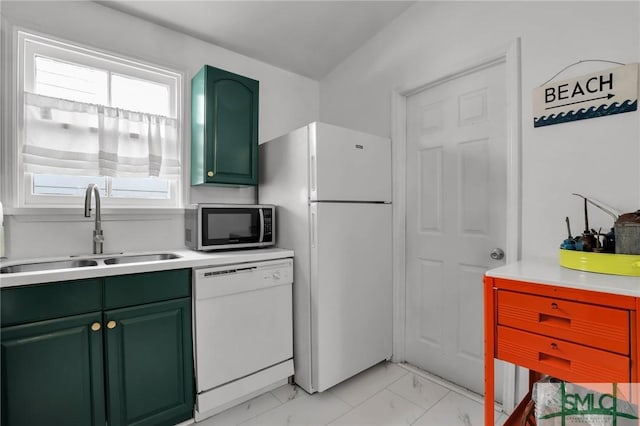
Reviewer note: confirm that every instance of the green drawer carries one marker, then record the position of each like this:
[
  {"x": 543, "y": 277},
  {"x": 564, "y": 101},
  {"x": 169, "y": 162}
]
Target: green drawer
[
  {"x": 49, "y": 300},
  {"x": 137, "y": 289}
]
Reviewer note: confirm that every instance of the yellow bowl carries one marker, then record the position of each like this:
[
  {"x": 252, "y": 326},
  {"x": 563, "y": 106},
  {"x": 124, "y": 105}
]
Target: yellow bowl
[{"x": 604, "y": 263}]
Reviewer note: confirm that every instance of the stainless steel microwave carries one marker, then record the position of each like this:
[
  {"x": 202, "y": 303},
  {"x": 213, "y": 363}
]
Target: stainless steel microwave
[{"x": 229, "y": 226}]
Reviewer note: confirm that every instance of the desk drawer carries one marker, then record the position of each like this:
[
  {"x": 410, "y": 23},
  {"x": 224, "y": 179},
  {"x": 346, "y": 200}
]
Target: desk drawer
[
  {"x": 591, "y": 325},
  {"x": 561, "y": 359}
]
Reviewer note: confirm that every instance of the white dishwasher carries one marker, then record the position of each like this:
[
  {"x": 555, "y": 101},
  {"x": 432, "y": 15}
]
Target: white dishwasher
[{"x": 243, "y": 332}]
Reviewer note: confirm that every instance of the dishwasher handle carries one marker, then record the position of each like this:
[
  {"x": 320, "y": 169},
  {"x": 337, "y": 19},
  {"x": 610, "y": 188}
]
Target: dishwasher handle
[{"x": 228, "y": 271}]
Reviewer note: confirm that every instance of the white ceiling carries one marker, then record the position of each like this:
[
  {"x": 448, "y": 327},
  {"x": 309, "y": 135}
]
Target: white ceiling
[{"x": 306, "y": 37}]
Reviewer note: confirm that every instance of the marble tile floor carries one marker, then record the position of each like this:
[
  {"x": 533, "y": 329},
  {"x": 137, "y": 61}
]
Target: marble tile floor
[{"x": 386, "y": 394}]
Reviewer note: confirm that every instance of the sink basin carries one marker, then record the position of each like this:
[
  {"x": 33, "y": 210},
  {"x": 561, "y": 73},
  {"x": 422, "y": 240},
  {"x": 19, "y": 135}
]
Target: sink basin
[
  {"x": 140, "y": 258},
  {"x": 79, "y": 263},
  {"x": 44, "y": 266}
]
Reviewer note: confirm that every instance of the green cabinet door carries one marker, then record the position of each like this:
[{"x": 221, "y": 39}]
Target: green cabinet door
[
  {"x": 149, "y": 364},
  {"x": 224, "y": 128},
  {"x": 52, "y": 372}
]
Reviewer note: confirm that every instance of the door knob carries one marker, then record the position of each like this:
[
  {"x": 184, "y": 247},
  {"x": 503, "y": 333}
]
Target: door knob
[{"x": 497, "y": 254}]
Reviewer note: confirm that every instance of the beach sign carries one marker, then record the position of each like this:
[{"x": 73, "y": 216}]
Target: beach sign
[{"x": 606, "y": 92}]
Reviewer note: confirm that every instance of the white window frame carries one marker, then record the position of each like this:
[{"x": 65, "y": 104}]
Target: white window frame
[{"x": 26, "y": 44}]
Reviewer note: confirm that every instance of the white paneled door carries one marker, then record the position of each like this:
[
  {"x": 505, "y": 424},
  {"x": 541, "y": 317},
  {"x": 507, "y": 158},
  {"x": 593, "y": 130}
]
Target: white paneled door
[{"x": 456, "y": 216}]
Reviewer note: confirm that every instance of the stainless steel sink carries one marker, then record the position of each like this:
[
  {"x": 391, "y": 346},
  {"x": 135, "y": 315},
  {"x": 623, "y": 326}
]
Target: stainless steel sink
[
  {"x": 140, "y": 258},
  {"x": 79, "y": 263},
  {"x": 45, "y": 266}
]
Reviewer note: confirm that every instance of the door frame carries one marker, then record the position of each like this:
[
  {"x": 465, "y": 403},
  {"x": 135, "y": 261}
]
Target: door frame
[{"x": 510, "y": 55}]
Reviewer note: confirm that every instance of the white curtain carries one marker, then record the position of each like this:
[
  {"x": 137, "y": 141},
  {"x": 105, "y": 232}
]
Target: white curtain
[{"x": 69, "y": 137}]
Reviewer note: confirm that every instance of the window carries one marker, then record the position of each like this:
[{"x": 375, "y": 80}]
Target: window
[{"x": 89, "y": 117}]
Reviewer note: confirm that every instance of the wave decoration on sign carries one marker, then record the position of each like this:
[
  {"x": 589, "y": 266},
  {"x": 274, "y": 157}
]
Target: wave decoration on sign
[{"x": 582, "y": 113}]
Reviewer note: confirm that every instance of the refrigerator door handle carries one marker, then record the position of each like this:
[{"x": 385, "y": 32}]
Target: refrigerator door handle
[
  {"x": 313, "y": 173},
  {"x": 313, "y": 229}
]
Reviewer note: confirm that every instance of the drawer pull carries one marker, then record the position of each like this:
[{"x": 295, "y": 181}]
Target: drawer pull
[
  {"x": 554, "y": 361},
  {"x": 554, "y": 305},
  {"x": 554, "y": 346},
  {"x": 554, "y": 320}
]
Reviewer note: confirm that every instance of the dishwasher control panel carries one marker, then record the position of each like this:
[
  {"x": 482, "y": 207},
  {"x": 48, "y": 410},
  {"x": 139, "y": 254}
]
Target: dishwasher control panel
[{"x": 280, "y": 274}]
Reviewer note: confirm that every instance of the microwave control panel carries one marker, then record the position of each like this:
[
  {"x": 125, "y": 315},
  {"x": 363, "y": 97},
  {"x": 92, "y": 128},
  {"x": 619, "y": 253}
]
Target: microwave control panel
[{"x": 268, "y": 225}]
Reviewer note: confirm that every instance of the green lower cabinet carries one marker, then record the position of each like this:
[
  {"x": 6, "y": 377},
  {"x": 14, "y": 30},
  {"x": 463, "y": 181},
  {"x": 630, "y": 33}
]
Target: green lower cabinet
[
  {"x": 149, "y": 364},
  {"x": 52, "y": 373},
  {"x": 106, "y": 351}
]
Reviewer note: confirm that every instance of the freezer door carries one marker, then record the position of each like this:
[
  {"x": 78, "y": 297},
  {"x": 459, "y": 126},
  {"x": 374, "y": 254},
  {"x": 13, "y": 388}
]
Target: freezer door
[
  {"x": 351, "y": 309},
  {"x": 346, "y": 165}
]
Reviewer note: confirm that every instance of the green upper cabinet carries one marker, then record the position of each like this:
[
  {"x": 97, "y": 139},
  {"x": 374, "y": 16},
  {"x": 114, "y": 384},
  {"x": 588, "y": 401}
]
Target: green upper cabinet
[{"x": 224, "y": 128}]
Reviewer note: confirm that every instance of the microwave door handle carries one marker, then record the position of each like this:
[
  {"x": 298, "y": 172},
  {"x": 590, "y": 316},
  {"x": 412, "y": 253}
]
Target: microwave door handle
[{"x": 261, "y": 238}]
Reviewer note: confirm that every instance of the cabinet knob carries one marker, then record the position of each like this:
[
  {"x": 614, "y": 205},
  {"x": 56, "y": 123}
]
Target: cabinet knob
[
  {"x": 95, "y": 326},
  {"x": 554, "y": 346},
  {"x": 554, "y": 306},
  {"x": 111, "y": 324},
  {"x": 210, "y": 173}
]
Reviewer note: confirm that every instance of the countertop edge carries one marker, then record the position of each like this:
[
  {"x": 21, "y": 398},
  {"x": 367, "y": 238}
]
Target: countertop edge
[
  {"x": 547, "y": 271},
  {"x": 188, "y": 259}
]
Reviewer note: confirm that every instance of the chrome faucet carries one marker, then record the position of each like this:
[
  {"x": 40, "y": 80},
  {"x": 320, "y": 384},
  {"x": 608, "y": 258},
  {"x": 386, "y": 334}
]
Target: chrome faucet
[{"x": 98, "y": 238}]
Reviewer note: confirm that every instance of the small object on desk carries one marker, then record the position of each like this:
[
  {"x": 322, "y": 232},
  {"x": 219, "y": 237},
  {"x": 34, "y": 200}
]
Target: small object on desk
[
  {"x": 598, "y": 248},
  {"x": 569, "y": 243},
  {"x": 610, "y": 241},
  {"x": 627, "y": 229},
  {"x": 587, "y": 241},
  {"x": 603, "y": 263},
  {"x": 602, "y": 206}
]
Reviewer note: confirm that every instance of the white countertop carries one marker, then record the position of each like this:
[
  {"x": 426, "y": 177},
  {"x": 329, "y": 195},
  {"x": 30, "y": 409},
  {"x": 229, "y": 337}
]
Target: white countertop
[
  {"x": 548, "y": 271},
  {"x": 188, "y": 259}
]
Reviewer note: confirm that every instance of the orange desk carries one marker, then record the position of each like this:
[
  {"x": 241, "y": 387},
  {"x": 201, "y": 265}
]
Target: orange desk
[{"x": 575, "y": 326}]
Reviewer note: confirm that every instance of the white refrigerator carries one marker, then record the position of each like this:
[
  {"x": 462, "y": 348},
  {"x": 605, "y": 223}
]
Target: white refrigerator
[{"x": 332, "y": 189}]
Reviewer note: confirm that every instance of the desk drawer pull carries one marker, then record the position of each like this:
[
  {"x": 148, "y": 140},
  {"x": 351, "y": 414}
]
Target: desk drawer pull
[
  {"x": 553, "y": 320},
  {"x": 554, "y": 346},
  {"x": 554, "y": 305},
  {"x": 555, "y": 361}
]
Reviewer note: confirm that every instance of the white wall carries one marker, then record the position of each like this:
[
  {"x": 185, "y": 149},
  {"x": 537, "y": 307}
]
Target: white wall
[
  {"x": 599, "y": 157},
  {"x": 287, "y": 101}
]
